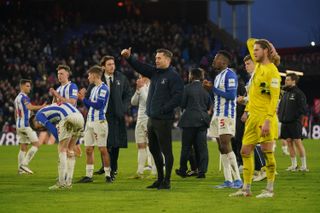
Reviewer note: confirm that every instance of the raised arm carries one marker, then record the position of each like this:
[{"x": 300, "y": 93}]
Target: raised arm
[
  {"x": 142, "y": 68},
  {"x": 250, "y": 44}
]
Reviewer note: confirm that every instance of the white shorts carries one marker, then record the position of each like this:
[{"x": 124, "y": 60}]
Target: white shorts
[
  {"x": 222, "y": 126},
  {"x": 96, "y": 133},
  {"x": 71, "y": 126},
  {"x": 141, "y": 132},
  {"x": 26, "y": 135}
]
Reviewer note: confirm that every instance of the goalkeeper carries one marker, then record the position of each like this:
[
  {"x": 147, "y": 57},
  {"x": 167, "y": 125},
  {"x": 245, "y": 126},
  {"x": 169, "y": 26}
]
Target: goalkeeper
[{"x": 262, "y": 124}]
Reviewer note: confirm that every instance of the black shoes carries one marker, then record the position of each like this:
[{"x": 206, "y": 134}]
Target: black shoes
[
  {"x": 109, "y": 179},
  {"x": 165, "y": 184},
  {"x": 201, "y": 175},
  {"x": 155, "y": 185},
  {"x": 90, "y": 180},
  {"x": 190, "y": 174},
  {"x": 113, "y": 175},
  {"x": 99, "y": 172},
  {"x": 181, "y": 173},
  {"x": 85, "y": 180}
]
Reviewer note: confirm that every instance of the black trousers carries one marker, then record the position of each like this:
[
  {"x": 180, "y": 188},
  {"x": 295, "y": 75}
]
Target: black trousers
[
  {"x": 160, "y": 142},
  {"x": 236, "y": 141},
  {"x": 193, "y": 160},
  {"x": 114, "y": 155},
  {"x": 196, "y": 137}
]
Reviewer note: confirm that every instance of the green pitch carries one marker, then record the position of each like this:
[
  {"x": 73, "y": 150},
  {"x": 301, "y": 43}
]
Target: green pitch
[{"x": 294, "y": 191}]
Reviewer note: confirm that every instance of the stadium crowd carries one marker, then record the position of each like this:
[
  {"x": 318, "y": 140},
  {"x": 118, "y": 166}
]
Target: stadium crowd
[{"x": 30, "y": 49}]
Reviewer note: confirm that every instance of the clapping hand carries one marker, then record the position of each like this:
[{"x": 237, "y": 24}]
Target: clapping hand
[
  {"x": 82, "y": 93},
  {"x": 207, "y": 85},
  {"x": 139, "y": 83},
  {"x": 54, "y": 92}
]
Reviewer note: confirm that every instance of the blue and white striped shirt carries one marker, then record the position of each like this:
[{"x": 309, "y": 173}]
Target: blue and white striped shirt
[
  {"x": 99, "y": 98},
  {"x": 225, "y": 92},
  {"x": 22, "y": 112},
  {"x": 54, "y": 113},
  {"x": 70, "y": 90}
]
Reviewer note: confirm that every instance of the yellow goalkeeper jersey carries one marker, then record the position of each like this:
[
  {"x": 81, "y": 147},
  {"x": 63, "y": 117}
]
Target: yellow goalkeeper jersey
[{"x": 264, "y": 89}]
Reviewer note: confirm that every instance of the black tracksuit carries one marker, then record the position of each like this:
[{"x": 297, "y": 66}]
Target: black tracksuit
[{"x": 292, "y": 106}]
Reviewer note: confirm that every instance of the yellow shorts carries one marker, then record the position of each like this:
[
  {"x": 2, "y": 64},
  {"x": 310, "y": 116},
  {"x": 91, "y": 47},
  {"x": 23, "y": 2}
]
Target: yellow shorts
[{"x": 252, "y": 132}]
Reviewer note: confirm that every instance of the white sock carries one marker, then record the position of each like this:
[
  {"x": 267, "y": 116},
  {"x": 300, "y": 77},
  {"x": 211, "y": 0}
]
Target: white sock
[
  {"x": 142, "y": 158},
  {"x": 226, "y": 167},
  {"x": 270, "y": 186},
  {"x": 284, "y": 149},
  {"x": 21, "y": 156},
  {"x": 246, "y": 187},
  {"x": 89, "y": 170},
  {"x": 107, "y": 171},
  {"x": 150, "y": 158},
  {"x": 294, "y": 162},
  {"x": 62, "y": 167},
  {"x": 71, "y": 162},
  {"x": 30, "y": 154},
  {"x": 303, "y": 162},
  {"x": 234, "y": 165}
]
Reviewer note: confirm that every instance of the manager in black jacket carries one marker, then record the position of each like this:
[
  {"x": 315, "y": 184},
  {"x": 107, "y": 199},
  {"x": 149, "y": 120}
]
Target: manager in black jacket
[
  {"x": 165, "y": 93},
  {"x": 194, "y": 123},
  {"x": 291, "y": 109},
  {"x": 120, "y": 96}
]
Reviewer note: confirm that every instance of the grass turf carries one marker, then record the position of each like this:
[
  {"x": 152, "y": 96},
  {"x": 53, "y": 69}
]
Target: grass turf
[{"x": 294, "y": 191}]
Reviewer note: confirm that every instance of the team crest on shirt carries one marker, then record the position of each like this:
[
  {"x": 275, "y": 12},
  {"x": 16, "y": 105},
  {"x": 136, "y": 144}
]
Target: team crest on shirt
[
  {"x": 221, "y": 84},
  {"x": 103, "y": 93},
  {"x": 164, "y": 81},
  {"x": 292, "y": 97}
]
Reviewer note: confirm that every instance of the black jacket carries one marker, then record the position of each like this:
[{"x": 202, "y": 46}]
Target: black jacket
[
  {"x": 165, "y": 91},
  {"x": 196, "y": 101},
  {"x": 292, "y": 105},
  {"x": 120, "y": 97}
]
